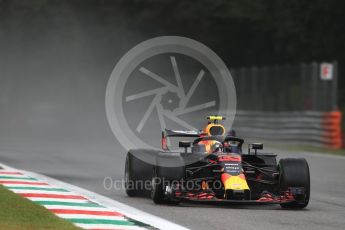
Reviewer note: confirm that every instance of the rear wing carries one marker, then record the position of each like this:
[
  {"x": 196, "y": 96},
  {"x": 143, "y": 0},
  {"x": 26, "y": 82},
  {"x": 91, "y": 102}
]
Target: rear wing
[
  {"x": 177, "y": 133},
  {"x": 181, "y": 133}
]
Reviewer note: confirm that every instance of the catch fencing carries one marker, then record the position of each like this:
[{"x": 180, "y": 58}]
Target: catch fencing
[
  {"x": 290, "y": 104},
  {"x": 320, "y": 129}
]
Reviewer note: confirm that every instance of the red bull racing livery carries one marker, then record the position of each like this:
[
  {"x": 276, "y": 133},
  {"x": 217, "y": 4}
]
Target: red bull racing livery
[{"x": 213, "y": 169}]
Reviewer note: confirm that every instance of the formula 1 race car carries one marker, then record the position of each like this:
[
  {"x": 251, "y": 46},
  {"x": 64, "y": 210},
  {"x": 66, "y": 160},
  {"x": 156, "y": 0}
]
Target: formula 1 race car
[{"x": 213, "y": 169}]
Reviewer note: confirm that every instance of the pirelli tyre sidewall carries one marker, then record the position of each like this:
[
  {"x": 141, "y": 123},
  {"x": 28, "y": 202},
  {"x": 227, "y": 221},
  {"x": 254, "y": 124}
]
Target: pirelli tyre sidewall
[
  {"x": 294, "y": 172},
  {"x": 137, "y": 172}
]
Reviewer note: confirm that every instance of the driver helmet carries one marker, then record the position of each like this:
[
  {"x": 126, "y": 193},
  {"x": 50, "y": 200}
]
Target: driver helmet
[{"x": 214, "y": 130}]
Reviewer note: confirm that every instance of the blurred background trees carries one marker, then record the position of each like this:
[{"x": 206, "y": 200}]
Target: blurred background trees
[
  {"x": 243, "y": 32},
  {"x": 246, "y": 32},
  {"x": 250, "y": 32}
]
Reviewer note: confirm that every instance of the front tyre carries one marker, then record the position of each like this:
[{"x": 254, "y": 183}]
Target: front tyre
[
  {"x": 161, "y": 189},
  {"x": 294, "y": 173}
]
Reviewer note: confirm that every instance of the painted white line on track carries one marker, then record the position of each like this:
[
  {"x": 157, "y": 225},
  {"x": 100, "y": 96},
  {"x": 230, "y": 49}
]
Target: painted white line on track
[
  {"x": 14, "y": 176},
  {"x": 89, "y": 216},
  {"x": 28, "y": 185},
  {"x": 57, "y": 199},
  {"x": 114, "y": 205},
  {"x": 43, "y": 192},
  {"x": 107, "y": 226},
  {"x": 76, "y": 208},
  {"x": 18, "y": 180}
]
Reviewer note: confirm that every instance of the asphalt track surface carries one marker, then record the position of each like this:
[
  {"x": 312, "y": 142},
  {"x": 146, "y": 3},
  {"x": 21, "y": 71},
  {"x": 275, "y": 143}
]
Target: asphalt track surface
[{"x": 86, "y": 165}]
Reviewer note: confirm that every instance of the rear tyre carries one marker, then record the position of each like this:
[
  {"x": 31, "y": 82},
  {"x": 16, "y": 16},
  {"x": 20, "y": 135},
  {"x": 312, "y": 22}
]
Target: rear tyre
[
  {"x": 295, "y": 173},
  {"x": 157, "y": 189},
  {"x": 135, "y": 176}
]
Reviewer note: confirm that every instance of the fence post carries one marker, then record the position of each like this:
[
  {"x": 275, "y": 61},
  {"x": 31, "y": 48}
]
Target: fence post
[
  {"x": 254, "y": 86},
  {"x": 244, "y": 87},
  {"x": 276, "y": 80},
  {"x": 304, "y": 92},
  {"x": 265, "y": 89},
  {"x": 334, "y": 87},
  {"x": 314, "y": 86}
]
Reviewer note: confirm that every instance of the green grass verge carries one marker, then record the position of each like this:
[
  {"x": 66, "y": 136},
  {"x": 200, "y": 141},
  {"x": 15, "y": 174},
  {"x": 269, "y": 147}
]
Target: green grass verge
[{"x": 17, "y": 213}]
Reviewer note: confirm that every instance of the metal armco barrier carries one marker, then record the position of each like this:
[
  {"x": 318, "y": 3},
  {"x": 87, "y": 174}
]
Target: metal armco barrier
[{"x": 321, "y": 129}]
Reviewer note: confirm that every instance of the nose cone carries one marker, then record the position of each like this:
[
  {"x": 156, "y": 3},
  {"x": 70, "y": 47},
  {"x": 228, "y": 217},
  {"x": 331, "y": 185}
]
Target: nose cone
[{"x": 234, "y": 182}]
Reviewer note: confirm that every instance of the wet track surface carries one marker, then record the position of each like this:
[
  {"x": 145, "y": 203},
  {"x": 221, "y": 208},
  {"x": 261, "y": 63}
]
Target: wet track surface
[
  {"x": 87, "y": 165},
  {"x": 55, "y": 62}
]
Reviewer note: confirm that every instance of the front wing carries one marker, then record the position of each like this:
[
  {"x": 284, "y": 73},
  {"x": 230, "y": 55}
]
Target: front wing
[{"x": 209, "y": 198}]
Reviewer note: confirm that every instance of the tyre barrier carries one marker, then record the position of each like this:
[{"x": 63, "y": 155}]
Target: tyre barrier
[
  {"x": 310, "y": 128},
  {"x": 332, "y": 129}
]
